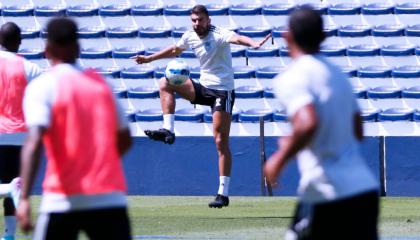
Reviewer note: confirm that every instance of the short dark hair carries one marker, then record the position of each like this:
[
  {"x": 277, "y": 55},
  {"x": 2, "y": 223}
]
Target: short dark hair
[
  {"x": 306, "y": 27},
  {"x": 9, "y": 34},
  {"x": 62, "y": 31},
  {"x": 200, "y": 9}
]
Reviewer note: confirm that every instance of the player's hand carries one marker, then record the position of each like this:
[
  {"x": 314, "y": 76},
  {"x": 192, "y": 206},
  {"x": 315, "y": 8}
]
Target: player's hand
[
  {"x": 262, "y": 41},
  {"x": 23, "y": 214},
  {"x": 270, "y": 172},
  {"x": 140, "y": 59}
]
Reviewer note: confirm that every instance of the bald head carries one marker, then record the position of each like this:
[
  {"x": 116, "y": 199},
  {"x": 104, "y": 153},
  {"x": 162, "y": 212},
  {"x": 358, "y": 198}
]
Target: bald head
[
  {"x": 62, "y": 43},
  {"x": 10, "y": 38}
]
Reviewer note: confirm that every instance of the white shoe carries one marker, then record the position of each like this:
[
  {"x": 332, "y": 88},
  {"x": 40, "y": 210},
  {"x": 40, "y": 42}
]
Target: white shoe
[{"x": 15, "y": 188}]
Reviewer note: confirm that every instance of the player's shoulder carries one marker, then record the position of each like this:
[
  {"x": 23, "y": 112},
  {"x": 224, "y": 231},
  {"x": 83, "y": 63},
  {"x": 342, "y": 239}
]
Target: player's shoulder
[{"x": 218, "y": 30}]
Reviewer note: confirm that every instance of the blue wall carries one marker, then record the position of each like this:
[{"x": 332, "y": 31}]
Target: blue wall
[{"x": 189, "y": 167}]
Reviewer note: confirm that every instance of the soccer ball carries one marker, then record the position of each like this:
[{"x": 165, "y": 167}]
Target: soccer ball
[{"x": 177, "y": 72}]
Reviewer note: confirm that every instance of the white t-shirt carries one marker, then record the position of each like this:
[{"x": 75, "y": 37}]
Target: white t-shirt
[
  {"x": 214, "y": 55},
  {"x": 31, "y": 72},
  {"x": 40, "y": 96},
  {"x": 331, "y": 166}
]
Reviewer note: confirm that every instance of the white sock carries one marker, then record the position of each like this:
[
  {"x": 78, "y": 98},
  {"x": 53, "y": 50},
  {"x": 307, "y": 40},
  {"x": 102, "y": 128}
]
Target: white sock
[
  {"x": 224, "y": 185},
  {"x": 5, "y": 190},
  {"x": 168, "y": 122},
  {"x": 10, "y": 226}
]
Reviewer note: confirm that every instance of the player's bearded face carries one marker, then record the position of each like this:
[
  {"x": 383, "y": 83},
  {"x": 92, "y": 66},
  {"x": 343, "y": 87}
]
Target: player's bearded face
[{"x": 201, "y": 24}]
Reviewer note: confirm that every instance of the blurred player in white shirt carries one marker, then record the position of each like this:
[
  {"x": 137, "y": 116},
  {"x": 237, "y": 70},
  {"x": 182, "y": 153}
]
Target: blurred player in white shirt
[{"x": 338, "y": 193}]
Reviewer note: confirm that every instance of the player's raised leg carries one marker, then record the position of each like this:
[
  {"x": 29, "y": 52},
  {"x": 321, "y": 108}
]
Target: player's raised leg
[{"x": 167, "y": 92}]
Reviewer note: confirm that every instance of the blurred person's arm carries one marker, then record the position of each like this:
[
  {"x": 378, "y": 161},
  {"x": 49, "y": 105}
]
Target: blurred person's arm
[
  {"x": 123, "y": 141},
  {"x": 358, "y": 126},
  {"x": 169, "y": 52},
  {"x": 304, "y": 124}
]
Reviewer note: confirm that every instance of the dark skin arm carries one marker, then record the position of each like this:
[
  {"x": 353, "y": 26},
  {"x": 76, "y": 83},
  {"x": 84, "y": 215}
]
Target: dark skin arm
[
  {"x": 358, "y": 126},
  {"x": 123, "y": 141},
  {"x": 30, "y": 159},
  {"x": 305, "y": 123}
]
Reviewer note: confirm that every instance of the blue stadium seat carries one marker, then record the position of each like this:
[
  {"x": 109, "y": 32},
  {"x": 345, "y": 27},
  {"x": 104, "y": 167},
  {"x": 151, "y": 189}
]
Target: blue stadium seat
[
  {"x": 411, "y": 92},
  {"x": 126, "y": 52},
  {"x": 120, "y": 92},
  {"x": 330, "y": 30},
  {"x": 50, "y": 11},
  {"x": 155, "y": 32},
  {"x": 114, "y": 10},
  {"x": 407, "y": 8},
  {"x": 278, "y": 31},
  {"x": 32, "y": 53},
  {"x": 190, "y": 114},
  {"x": 178, "y": 10},
  {"x": 331, "y": 50},
  {"x": 91, "y": 32},
  {"x": 29, "y": 32},
  {"x": 354, "y": 31},
  {"x": 139, "y": 71},
  {"x": 245, "y": 9},
  {"x": 149, "y": 115},
  {"x": 147, "y": 10},
  {"x": 284, "y": 51},
  {"x": 160, "y": 72},
  {"x": 95, "y": 53},
  {"x": 396, "y": 114},
  {"x": 217, "y": 9},
  {"x": 384, "y": 92},
  {"x": 378, "y": 8},
  {"x": 243, "y": 72},
  {"x": 280, "y": 115},
  {"x": 269, "y": 93},
  {"x": 397, "y": 50},
  {"x": 195, "y": 72},
  {"x": 406, "y": 72},
  {"x": 208, "y": 116},
  {"x": 363, "y": 50},
  {"x": 18, "y": 11},
  {"x": 369, "y": 114},
  {"x": 178, "y": 32},
  {"x": 413, "y": 30},
  {"x": 265, "y": 51},
  {"x": 237, "y": 51},
  {"x": 360, "y": 91},
  {"x": 130, "y": 115},
  {"x": 113, "y": 72},
  {"x": 388, "y": 30},
  {"x": 121, "y": 32},
  {"x": 85, "y": 10},
  {"x": 344, "y": 9},
  {"x": 278, "y": 9},
  {"x": 255, "y": 31},
  {"x": 254, "y": 114},
  {"x": 374, "y": 72},
  {"x": 249, "y": 92},
  {"x": 143, "y": 92},
  {"x": 351, "y": 71},
  {"x": 268, "y": 71},
  {"x": 416, "y": 116}
]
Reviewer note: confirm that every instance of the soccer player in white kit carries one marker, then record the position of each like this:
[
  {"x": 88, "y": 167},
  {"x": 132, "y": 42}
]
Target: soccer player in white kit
[
  {"x": 211, "y": 45},
  {"x": 338, "y": 195}
]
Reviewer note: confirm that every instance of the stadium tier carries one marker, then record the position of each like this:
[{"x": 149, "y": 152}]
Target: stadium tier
[{"x": 375, "y": 42}]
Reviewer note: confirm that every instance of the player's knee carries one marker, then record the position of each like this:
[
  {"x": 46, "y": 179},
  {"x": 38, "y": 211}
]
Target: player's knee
[
  {"x": 9, "y": 207},
  {"x": 163, "y": 84},
  {"x": 221, "y": 143}
]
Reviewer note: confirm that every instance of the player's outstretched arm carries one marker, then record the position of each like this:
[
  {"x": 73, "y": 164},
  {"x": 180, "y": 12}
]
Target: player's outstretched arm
[
  {"x": 168, "y": 52},
  {"x": 246, "y": 41},
  {"x": 30, "y": 159},
  {"x": 305, "y": 124}
]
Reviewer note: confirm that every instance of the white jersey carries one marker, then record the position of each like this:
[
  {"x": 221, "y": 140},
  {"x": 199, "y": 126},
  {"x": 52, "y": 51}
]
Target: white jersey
[
  {"x": 213, "y": 52},
  {"x": 331, "y": 166},
  {"x": 31, "y": 72}
]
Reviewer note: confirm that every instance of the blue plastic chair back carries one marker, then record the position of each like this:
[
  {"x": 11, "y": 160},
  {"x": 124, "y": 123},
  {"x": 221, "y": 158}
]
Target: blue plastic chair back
[
  {"x": 374, "y": 72},
  {"x": 178, "y": 10},
  {"x": 397, "y": 50},
  {"x": 84, "y": 10},
  {"x": 155, "y": 32},
  {"x": 396, "y": 114},
  {"x": 114, "y": 10},
  {"x": 363, "y": 50},
  {"x": 369, "y": 114},
  {"x": 278, "y": 9},
  {"x": 113, "y": 72},
  {"x": 254, "y": 114},
  {"x": 406, "y": 72},
  {"x": 147, "y": 10},
  {"x": 122, "y": 32},
  {"x": 378, "y": 9},
  {"x": 354, "y": 31},
  {"x": 149, "y": 115},
  {"x": 344, "y": 9},
  {"x": 143, "y": 92},
  {"x": 91, "y": 32},
  {"x": 384, "y": 92},
  {"x": 249, "y": 92},
  {"x": 268, "y": 71},
  {"x": 139, "y": 71},
  {"x": 412, "y": 92},
  {"x": 190, "y": 114},
  {"x": 243, "y": 72},
  {"x": 245, "y": 9}
]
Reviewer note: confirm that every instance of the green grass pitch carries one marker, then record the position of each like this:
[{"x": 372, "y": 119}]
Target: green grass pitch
[{"x": 169, "y": 217}]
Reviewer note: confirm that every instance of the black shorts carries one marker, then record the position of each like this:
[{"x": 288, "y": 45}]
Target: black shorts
[
  {"x": 218, "y": 100},
  {"x": 9, "y": 162},
  {"x": 345, "y": 219},
  {"x": 97, "y": 224}
]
